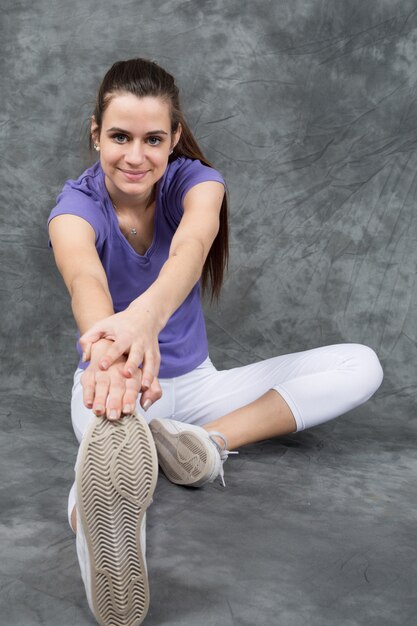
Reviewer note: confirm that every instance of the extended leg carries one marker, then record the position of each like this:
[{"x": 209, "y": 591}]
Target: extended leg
[{"x": 74, "y": 518}]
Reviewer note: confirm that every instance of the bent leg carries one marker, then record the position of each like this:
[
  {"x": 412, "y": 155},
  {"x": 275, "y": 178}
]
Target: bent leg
[
  {"x": 286, "y": 393},
  {"x": 268, "y": 416},
  {"x": 349, "y": 375}
]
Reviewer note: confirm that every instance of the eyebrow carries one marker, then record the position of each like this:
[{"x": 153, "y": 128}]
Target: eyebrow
[{"x": 125, "y": 132}]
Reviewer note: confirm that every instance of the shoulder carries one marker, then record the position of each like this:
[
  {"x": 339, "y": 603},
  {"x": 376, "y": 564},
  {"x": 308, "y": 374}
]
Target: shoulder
[
  {"x": 183, "y": 173},
  {"x": 90, "y": 183},
  {"x": 84, "y": 197},
  {"x": 180, "y": 176}
]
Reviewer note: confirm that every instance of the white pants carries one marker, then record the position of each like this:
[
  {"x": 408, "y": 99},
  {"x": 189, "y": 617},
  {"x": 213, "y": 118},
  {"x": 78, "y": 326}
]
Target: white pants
[{"x": 317, "y": 385}]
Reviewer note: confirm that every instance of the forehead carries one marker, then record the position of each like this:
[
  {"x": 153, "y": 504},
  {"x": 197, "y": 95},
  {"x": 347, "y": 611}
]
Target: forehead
[{"x": 127, "y": 111}]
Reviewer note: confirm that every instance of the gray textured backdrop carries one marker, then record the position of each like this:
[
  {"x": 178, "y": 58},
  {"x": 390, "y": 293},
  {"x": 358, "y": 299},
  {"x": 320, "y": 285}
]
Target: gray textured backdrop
[{"x": 308, "y": 108}]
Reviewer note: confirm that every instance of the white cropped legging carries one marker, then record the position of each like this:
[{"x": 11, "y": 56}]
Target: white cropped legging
[{"x": 317, "y": 385}]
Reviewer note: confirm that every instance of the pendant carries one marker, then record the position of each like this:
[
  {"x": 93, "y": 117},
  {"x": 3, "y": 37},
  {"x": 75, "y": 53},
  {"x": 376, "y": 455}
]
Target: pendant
[{"x": 133, "y": 231}]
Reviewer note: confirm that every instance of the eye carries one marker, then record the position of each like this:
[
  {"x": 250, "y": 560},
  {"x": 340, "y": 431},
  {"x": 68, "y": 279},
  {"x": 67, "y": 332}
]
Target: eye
[
  {"x": 119, "y": 138},
  {"x": 154, "y": 141}
]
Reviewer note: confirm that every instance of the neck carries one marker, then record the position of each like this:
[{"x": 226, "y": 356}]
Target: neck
[{"x": 128, "y": 204}]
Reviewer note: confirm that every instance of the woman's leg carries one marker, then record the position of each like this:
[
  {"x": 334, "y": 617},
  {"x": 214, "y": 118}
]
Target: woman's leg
[
  {"x": 116, "y": 474},
  {"x": 268, "y": 416},
  {"x": 284, "y": 394},
  {"x": 81, "y": 418},
  {"x": 220, "y": 410}
]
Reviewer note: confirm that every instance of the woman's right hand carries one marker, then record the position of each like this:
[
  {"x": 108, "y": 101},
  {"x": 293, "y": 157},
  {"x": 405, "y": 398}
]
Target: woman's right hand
[
  {"x": 109, "y": 392},
  {"x": 132, "y": 332}
]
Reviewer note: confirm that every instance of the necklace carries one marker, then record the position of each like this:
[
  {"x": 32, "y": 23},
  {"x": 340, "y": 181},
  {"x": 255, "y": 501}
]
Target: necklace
[{"x": 132, "y": 230}]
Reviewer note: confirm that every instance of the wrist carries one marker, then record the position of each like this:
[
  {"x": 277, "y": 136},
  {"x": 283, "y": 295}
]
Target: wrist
[{"x": 143, "y": 310}]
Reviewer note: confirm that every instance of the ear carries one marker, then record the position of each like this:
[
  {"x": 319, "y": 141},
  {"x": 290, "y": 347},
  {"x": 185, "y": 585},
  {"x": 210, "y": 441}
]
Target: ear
[
  {"x": 95, "y": 135},
  {"x": 176, "y": 136}
]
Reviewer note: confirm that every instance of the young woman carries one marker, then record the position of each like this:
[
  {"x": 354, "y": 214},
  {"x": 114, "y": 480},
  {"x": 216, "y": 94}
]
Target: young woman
[{"x": 137, "y": 237}]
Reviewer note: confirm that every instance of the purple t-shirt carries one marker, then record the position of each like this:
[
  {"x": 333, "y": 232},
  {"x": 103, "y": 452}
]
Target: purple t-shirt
[{"x": 183, "y": 341}]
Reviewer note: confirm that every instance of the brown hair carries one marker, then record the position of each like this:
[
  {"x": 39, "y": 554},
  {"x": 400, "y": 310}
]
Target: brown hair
[{"x": 145, "y": 78}]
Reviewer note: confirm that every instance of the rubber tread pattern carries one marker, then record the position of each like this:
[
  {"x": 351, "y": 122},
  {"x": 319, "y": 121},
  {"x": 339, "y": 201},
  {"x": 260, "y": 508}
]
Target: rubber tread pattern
[
  {"x": 181, "y": 456},
  {"x": 116, "y": 477}
]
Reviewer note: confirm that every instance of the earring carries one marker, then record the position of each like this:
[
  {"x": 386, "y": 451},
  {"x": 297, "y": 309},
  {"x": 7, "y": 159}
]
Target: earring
[
  {"x": 172, "y": 151},
  {"x": 96, "y": 147}
]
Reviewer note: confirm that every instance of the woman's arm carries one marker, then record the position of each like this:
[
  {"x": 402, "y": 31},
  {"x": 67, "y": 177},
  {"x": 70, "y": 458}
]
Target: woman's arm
[
  {"x": 133, "y": 329},
  {"x": 73, "y": 242},
  {"x": 188, "y": 252}
]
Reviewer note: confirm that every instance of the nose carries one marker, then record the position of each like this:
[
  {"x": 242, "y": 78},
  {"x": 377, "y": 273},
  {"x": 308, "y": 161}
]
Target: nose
[{"x": 135, "y": 153}]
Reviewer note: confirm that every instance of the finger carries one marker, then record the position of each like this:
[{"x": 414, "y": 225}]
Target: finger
[
  {"x": 114, "y": 403},
  {"x": 134, "y": 360},
  {"x": 131, "y": 395},
  {"x": 149, "y": 370},
  {"x": 113, "y": 353},
  {"x": 101, "y": 394},
  {"x": 88, "y": 395},
  {"x": 151, "y": 395},
  {"x": 91, "y": 336},
  {"x": 88, "y": 385},
  {"x": 86, "y": 353}
]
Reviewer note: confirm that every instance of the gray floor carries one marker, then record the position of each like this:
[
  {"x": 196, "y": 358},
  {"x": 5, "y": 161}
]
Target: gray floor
[{"x": 316, "y": 528}]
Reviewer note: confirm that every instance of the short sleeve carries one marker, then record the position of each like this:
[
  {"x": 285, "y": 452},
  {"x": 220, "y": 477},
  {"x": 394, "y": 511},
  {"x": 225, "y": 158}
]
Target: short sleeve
[
  {"x": 84, "y": 205},
  {"x": 185, "y": 174}
]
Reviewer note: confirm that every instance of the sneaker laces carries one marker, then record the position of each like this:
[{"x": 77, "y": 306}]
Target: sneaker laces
[{"x": 223, "y": 451}]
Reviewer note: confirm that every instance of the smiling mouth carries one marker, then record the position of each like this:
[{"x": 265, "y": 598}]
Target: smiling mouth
[
  {"x": 133, "y": 176},
  {"x": 132, "y": 173}
]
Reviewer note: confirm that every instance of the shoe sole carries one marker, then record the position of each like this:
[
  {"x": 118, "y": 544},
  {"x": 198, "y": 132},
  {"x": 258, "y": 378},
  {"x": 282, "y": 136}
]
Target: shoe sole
[
  {"x": 116, "y": 476},
  {"x": 182, "y": 456}
]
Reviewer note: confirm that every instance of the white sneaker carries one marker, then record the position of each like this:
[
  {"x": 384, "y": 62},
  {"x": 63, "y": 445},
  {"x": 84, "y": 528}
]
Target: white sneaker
[
  {"x": 116, "y": 474},
  {"x": 188, "y": 454}
]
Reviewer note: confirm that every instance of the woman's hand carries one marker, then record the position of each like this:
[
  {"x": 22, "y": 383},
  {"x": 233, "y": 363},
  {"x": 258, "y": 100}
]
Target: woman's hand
[
  {"x": 132, "y": 332},
  {"x": 109, "y": 392}
]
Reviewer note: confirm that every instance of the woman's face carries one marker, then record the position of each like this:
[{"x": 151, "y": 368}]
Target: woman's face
[{"x": 135, "y": 142}]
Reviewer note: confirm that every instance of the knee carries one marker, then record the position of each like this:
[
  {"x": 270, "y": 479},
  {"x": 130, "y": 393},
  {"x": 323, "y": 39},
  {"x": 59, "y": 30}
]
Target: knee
[{"x": 368, "y": 367}]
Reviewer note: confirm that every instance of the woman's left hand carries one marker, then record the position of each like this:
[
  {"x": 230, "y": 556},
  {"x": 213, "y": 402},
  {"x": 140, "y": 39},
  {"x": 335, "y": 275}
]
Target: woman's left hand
[
  {"x": 109, "y": 392},
  {"x": 133, "y": 333}
]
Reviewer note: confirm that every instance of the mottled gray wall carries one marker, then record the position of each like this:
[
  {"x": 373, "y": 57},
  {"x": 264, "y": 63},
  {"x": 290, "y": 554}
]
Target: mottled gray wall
[{"x": 308, "y": 107}]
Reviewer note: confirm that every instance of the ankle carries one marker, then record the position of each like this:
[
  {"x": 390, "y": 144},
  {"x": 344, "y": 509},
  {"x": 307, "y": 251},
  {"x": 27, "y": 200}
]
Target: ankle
[
  {"x": 215, "y": 435},
  {"x": 219, "y": 440},
  {"x": 74, "y": 519}
]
